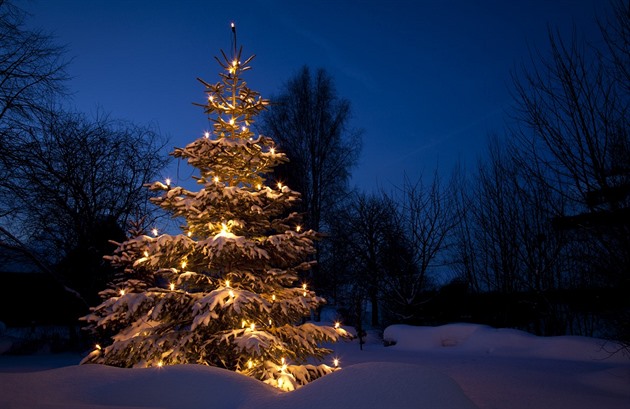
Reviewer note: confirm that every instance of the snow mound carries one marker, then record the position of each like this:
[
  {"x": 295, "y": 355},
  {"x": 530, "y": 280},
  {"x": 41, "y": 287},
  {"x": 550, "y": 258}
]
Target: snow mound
[
  {"x": 367, "y": 385},
  {"x": 502, "y": 341},
  {"x": 176, "y": 387},
  {"x": 375, "y": 385}
]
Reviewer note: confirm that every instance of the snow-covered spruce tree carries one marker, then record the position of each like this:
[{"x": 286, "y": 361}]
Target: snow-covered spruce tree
[{"x": 226, "y": 291}]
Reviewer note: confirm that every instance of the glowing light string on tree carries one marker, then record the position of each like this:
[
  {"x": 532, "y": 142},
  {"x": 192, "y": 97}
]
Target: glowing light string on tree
[{"x": 227, "y": 295}]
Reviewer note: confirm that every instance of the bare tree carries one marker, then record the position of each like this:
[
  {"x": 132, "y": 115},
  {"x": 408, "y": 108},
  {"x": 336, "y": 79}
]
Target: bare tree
[
  {"x": 32, "y": 72},
  {"x": 574, "y": 138},
  {"x": 505, "y": 243},
  {"x": 310, "y": 123},
  {"x": 74, "y": 181},
  {"x": 361, "y": 236},
  {"x": 68, "y": 183},
  {"x": 32, "y": 68},
  {"x": 426, "y": 218}
]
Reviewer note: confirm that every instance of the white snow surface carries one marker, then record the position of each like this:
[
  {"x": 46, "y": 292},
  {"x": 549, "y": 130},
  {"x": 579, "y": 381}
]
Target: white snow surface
[{"x": 450, "y": 366}]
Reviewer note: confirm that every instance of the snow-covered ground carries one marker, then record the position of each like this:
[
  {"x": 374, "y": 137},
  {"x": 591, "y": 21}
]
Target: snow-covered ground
[{"x": 452, "y": 366}]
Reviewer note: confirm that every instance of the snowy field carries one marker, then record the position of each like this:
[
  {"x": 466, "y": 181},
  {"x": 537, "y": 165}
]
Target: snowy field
[{"x": 452, "y": 366}]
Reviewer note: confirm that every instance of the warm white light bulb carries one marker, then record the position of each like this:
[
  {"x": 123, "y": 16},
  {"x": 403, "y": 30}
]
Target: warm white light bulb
[
  {"x": 160, "y": 364},
  {"x": 273, "y": 297},
  {"x": 154, "y": 231},
  {"x": 216, "y": 179},
  {"x": 122, "y": 292},
  {"x": 232, "y": 121},
  {"x": 231, "y": 293},
  {"x": 336, "y": 362},
  {"x": 273, "y": 151},
  {"x": 168, "y": 181},
  {"x": 252, "y": 326},
  {"x": 206, "y": 135},
  {"x": 337, "y": 325},
  {"x": 184, "y": 264},
  {"x": 146, "y": 253},
  {"x": 250, "y": 364},
  {"x": 298, "y": 228},
  {"x": 227, "y": 283},
  {"x": 172, "y": 286}
]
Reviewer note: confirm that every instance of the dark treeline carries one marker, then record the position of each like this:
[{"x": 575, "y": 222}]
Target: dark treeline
[
  {"x": 69, "y": 182},
  {"x": 537, "y": 237}
]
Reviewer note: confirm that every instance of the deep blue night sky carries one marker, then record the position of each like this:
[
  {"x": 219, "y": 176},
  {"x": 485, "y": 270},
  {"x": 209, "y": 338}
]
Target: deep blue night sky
[{"x": 428, "y": 80}]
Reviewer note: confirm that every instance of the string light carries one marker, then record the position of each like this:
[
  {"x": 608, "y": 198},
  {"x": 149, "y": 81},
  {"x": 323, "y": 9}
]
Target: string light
[
  {"x": 184, "y": 264},
  {"x": 216, "y": 179},
  {"x": 168, "y": 181},
  {"x": 189, "y": 234},
  {"x": 172, "y": 286},
  {"x": 146, "y": 253},
  {"x": 273, "y": 297},
  {"x": 231, "y": 121},
  {"x": 206, "y": 135},
  {"x": 122, "y": 292},
  {"x": 258, "y": 186},
  {"x": 231, "y": 293},
  {"x": 154, "y": 231},
  {"x": 227, "y": 283},
  {"x": 336, "y": 362},
  {"x": 160, "y": 364},
  {"x": 250, "y": 364},
  {"x": 337, "y": 325},
  {"x": 298, "y": 228},
  {"x": 273, "y": 151},
  {"x": 280, "y": 185},
  {"x": 98, "y": 346},
  {"x": 252, "y": 326}
]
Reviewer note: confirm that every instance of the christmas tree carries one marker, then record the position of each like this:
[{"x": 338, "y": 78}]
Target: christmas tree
[{"x": 226, "y": 291}]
